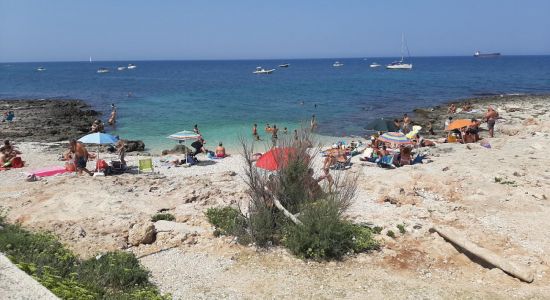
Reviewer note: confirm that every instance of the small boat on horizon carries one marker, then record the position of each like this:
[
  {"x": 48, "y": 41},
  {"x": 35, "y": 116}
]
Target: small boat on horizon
[
  {"x": 284, "y": 66},
  {"x": 131, "y": 66},
  {"x": 41, "y": 69},
  {"x": 375, "y": 65},
  {"x": 479, "y": 54},
  {"x": 260, "y": 70},
  {"x": 400, "y": 64},
  {"x": 121, "y": 68},
  {"x": 102, "y": 70},
  {"x": 337, "y": 64}
]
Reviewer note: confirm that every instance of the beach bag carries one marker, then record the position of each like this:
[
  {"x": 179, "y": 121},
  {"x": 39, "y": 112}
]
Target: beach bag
[
  {"x": 191, "y": 160},
  {"x": 17, "y": 162},
  {"x": 101, "y": 165}
]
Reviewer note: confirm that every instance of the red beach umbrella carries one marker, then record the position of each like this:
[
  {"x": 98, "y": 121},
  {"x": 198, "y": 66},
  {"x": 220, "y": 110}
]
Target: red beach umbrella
[{"x": 275, "y": 158}]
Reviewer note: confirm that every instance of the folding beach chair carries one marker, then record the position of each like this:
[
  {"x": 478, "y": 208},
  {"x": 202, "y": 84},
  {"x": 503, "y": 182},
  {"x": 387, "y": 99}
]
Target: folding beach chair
[
  {"x": 342, "y": 165},
  {"x": 145, "y": 165}
]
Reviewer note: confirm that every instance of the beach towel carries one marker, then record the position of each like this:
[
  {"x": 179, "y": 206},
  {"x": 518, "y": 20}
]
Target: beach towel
[{"x": 49, "y": 171}]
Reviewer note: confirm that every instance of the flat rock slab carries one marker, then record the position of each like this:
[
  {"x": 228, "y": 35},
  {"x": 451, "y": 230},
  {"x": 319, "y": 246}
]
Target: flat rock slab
[
  {"x": 16, "y": 284},
  {"x": 170, "y": 226}
]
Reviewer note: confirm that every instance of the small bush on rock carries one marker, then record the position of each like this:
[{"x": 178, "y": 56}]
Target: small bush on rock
[
  {"x": 163, "y": 216},
  {"x": 227, "y": 220}
]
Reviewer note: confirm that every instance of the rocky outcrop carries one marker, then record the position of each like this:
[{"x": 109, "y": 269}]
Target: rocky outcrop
[
  {"x": 132, "y": 146},
  {"x": 141, "y": 233},
  {"x": 47, "y": 120},
  {"x": 177, "y": 150}
]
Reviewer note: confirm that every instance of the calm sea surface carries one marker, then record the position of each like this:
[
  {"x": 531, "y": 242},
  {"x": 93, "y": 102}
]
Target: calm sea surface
[{"x": 224, "y": 98}]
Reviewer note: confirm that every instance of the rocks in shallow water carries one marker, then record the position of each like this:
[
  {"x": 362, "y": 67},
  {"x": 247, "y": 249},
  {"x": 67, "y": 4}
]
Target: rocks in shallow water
[
  {"x": 141, "y": 233},
  {"x": 132, "y": 146}
]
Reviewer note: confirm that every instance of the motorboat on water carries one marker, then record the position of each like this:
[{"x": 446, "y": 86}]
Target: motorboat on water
[
  {"x": 375, "y": 65},
  {"x": 337, "y": 64},
  {"x": 260, "y": 70},
  {"x": 131, "y": 66},
  {"x": 401, "y": 64},
  {"x": 121, "y": 68},
  {"x": 103, "y": 70},
  {"x": 41, "y": 69},
  {"x": 284, "y": 66}
]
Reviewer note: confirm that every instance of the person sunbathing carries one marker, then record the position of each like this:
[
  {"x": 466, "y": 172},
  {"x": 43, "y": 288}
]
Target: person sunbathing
[
  {"x": 422, "y": 142},
  {"x": 220, "y": 151},
  {"x": 8, "y": 153},
  {"x": 452, "y": 109},
  {"x": 333, "y": 156},
  {"x": 405, "y": 156}
]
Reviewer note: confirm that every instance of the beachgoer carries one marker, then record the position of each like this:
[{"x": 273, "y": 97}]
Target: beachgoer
[
  {"x": 274, "y": 135},
  {"x": 397, "y": 123},
  {"x": 472, "y": 131},
  {"x": 452, "y": 109},
  {"x": 112, "y": 118},
  {"x": 405, "y": 154},
  {"x": 267, "y": 127},
  {"x": 295, "y": 134},
  {"x": 334, "y": 155},
  {"x": 121, "y": 151},
  {"x": 430, "y": 128},
  {"x": 220, "y": 151},
  {"x": 313, "y": 123},
  {"x": 285, "y": 130},
  {"x": 199, "y": 146},
  {"x": 196, "y": 129},
  {"x": 448, "y": 122},
  {"x": 422, "y": 142},
  {"x": 80, "y": 156},
  {"x": 8, "y": 153},
  {"x": 315, "y": 105},
  {"x": 406, "y": 124},
  {"x": 491, "y": 116},
  {"x": 255, "y": 131}
]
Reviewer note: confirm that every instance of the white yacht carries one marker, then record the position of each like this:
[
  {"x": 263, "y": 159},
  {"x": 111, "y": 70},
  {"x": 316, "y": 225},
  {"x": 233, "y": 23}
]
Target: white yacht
[
  {"x": 103, "y": 70},
  {"x": 284, "y": 66},
  {"x": 41, "y": 69},
  {"x": 337, "y": 64},
  {"x": 121, "y": 68},
  {"x": 131, "y": 66},
  {"x": 400, "y": 64},
  {"x": 260, "y": 70},
  {"x": 375, "y": 65}
]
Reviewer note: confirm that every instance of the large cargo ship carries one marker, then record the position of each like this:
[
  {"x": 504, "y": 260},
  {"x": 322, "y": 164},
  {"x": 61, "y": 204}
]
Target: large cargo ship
[{"x": 479, "y": 54}]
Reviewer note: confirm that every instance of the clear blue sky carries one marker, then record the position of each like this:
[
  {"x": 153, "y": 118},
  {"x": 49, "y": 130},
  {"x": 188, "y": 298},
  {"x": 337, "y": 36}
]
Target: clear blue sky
[{"x": 70, "y": 30}]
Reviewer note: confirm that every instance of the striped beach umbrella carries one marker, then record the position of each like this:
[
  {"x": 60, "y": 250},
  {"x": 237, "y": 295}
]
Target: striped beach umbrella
[
  {"x": 394, "y": 138},
  {"x": 184, "y": 135}
]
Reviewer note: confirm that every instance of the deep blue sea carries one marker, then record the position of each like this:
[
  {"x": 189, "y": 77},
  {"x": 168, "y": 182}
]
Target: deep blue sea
[{"x": 224, "y": 98}]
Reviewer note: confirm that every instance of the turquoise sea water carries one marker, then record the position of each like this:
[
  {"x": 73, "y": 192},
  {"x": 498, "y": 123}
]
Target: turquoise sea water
[{"x": 224, "y": 98}]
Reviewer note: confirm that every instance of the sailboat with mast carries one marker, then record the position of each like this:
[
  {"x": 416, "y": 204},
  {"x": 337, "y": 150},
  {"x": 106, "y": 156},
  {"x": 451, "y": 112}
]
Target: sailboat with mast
[{"x": 400, "y": 64}]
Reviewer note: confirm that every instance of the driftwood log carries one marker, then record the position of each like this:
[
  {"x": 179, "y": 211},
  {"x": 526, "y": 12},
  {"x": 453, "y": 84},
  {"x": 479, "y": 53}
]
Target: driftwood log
[{"x": 486, "y": 255}]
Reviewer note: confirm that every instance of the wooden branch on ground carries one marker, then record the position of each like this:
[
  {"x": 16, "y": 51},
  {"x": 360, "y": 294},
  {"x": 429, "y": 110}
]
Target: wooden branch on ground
[{"x": 486, "y": 255}]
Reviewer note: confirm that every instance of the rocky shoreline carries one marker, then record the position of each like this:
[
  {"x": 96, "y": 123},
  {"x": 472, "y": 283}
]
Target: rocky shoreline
[{"x": 46, "y": 120}]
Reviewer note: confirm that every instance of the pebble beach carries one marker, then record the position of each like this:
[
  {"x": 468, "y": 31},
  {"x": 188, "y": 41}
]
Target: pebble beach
[{"x": 498, "y": 197}]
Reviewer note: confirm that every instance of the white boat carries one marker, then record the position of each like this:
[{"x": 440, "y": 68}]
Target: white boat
[
  {"x": 121, "y": 68},
  {"x": 400, "y": 64},
  {"x": 90, "y": 59},
  {"x": 131, "y": 66},
  {"x": 284, "y": 66},
  {"x": 375, "y": 65},
  {"x": 41, "y": 69},
  {"x": 103, "y": 70},
  {"x": 337, "y": 64},
  {"x": 260, "y": 70}
]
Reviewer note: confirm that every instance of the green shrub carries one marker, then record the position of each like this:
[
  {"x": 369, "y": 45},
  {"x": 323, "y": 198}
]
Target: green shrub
[
  {"x": 324, "y": 236},
  {"x": 227, "y": 220},
  {"x": 377, "y": 229},
  {"x": 115, "y": 275},
  {"x": 401, "y": 228},
  {"x": 390, "y": 234},
  {"x": 163, "y": 216}
]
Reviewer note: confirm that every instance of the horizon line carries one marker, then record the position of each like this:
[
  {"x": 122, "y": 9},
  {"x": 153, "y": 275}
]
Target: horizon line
[{"x": 252, "y": 59}]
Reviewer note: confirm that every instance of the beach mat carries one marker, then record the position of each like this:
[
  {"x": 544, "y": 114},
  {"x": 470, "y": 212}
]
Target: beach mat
[{"x": 49, "y": 171}]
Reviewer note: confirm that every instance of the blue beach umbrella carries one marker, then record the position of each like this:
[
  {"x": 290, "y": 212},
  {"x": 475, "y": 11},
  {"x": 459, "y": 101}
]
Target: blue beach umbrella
[{"x": 98, "y": 138}]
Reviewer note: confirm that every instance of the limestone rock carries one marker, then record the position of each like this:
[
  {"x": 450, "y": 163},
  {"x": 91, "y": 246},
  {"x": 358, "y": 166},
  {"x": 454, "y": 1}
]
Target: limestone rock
[{"x": 141, "y": 233}]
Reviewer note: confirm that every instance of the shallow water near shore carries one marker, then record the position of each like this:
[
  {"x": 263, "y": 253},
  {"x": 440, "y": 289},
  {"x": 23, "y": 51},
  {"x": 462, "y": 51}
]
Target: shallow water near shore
[{"x": 224, "y": 98}]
